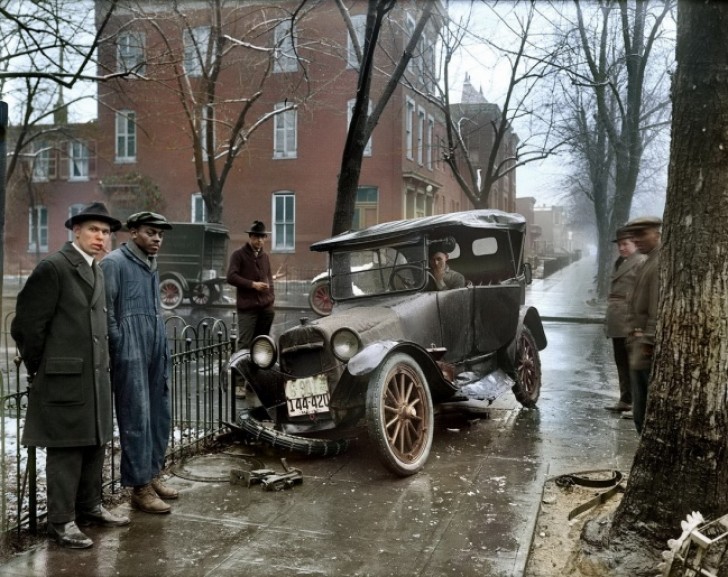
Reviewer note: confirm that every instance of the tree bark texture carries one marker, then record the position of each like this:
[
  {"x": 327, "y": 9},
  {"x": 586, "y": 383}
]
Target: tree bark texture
[{"x": 682, "y": 461}]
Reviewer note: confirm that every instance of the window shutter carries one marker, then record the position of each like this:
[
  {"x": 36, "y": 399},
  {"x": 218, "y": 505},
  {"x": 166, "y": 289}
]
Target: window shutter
[
  {"x": 63, "y": 160},
  {"x": 91, "y": 147}
]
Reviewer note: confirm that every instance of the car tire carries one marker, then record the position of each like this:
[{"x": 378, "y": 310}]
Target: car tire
[
  {"x": 528, "y": 370},
  {"x": 259, "y": 431},
  {"x": 399, "y": 415},
  {"x": 171, "y": 293},
  {"x": 319, "y": 298},
  {"x": 203, "y": 294}
]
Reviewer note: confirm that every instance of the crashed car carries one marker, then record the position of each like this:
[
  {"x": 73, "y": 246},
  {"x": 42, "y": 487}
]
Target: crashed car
[{"x": 395, "y": 350}]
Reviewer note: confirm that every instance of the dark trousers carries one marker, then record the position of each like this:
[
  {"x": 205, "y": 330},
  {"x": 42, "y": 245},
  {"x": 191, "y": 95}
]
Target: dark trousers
[
  {"x": 253, "y": 324},
  {"x": 73, "y": 477},
  {"x": 621, "y": 359},
  {"x": 640, "y": 381}
]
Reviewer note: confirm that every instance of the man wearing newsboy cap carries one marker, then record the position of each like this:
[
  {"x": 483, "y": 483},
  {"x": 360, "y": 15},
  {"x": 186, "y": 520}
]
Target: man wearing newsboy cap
[
  {"x": 642, "y": 311},
  {"x": 140, "y": 360},
  {"x": 60, "y": 329}
]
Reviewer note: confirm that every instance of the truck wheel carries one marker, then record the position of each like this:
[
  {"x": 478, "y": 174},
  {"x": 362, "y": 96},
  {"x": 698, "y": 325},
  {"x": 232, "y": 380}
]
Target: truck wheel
[
  {"x": 528, "y": 370},
  {"x": 171, "y": 293},
  {"x": 399, "y": 414},
  {"x": 319, "y": 298},
  {"x": 202, "y": 294}
]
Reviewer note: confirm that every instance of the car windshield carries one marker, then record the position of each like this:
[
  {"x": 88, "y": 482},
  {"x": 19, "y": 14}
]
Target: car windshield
[{"x": 378, "y": 270}]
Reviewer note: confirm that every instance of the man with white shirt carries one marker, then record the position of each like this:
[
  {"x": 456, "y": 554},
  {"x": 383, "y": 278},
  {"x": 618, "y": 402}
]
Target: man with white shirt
[{"x": 60, "y": 330}]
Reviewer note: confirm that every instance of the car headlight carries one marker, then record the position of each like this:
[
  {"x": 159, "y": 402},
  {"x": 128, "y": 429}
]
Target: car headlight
[
  {"x": 345, "y": 343},
  {"x": 263, "y": 352}
]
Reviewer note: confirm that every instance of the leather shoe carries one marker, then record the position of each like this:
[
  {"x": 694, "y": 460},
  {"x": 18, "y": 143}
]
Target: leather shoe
[
  {"x": 100, "y": 516},
  {"x": 163, "y": 490},
  {"x": 619, "y": 407},
  {"x": 69, "y": 535},
  {"x": 146, "y": 499},
  {"x": 627, "y": 415}
]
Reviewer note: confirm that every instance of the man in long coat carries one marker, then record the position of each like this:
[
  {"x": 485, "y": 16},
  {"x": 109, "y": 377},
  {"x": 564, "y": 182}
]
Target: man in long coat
[
  {"x": 140, "y": 361},
  {"x": 61, "y": 332}
]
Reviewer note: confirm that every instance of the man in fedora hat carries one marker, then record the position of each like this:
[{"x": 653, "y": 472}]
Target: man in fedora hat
[
  {"x": 60, "y": 329},
  {"x": 140, "y": 360},
  {"x": 249, "y": 272},
  {"x": 622, "y": 282},
  {"x": 642, "y": 311}
]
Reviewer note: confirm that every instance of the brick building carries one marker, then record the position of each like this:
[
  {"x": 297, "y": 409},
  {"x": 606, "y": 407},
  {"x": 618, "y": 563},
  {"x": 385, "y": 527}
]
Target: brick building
[{"x": 286, "y": 172}]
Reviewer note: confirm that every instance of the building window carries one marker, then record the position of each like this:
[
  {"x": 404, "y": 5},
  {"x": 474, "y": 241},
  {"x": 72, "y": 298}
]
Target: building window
[
  {"x": 285, "y": 53},
  {"x": 409, "y": 121},
  {"x": 285, "y": 139},
  {"x": 196, "y": 42},
  {"x": 73, "y": 210},
  {"x": 420, "y": 136},
  {"x": 349, "y": 113},
  {"x": 130, "y": 52},
  {"x": 38, "y": 229},
  {"x": 78, "y": 158},
  {"x": 359, "y": 22},
  {"x": 366, "y": 209},
  {"x": 199, "y": 210},
  {"x": 430, "y": 141},
  {"x": 44, "y": 161},
  {"x": 126, "y": 136},
  {"x": 284, "y": 222}
]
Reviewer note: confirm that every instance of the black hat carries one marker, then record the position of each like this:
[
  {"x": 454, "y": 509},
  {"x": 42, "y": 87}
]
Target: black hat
[
  {"x": 258, "y": 229},
  {"x": 94, "y": 211},
  {"x": 643, "y": 222},
  {"x": 622, "y": 233},
  {"x": 147, "y": 218}
]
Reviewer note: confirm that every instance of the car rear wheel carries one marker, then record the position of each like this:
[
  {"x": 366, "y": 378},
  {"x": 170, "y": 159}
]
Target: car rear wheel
[
  {"x": 399, "y": 415},
  {"x": 203, "y": 294},
  {"x": 319, "y": 298},
  {"x": 528, "y": 370},
  {"x": 171, "y": 293}
]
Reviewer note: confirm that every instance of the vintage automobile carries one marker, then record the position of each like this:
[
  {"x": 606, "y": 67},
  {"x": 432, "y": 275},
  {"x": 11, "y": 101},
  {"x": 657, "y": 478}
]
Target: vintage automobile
[{"x": 394, "y": 351}]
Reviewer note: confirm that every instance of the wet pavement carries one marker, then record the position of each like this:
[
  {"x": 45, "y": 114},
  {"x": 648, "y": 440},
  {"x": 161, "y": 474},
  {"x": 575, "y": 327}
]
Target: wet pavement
[{"x": 470, "y": 512}]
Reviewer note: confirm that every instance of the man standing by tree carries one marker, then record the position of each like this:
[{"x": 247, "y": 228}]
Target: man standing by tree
[
  {"x": 249, "y": 272},
  {"x": 642, "y": 315},
  {"x": 60, "y": 329},
  {"x": 140, "y": 360}
]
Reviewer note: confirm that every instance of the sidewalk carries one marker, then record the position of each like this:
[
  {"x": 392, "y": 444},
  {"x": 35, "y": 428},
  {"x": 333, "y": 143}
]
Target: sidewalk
[{"x": 470, "y": 512}]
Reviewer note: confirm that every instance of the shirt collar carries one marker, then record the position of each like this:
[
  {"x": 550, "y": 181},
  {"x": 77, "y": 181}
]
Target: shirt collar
[{"x": 87, "y": 257}]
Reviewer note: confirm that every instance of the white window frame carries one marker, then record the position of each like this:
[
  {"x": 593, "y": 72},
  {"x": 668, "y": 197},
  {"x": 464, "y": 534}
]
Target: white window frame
[
  {"x": 349, "y": 114},
  {"x": 430, "y": 141},
  {"x": 285, "y": 132},
  {"x": 41, "y": 161},
  {"x": 73, "y": 210},
  {"x": 285, "y": 42},
  {"x": 198, "y": 209},
  {"x": 409, "y": 121},
  {"x": 126, "y": 136},
  {"x": 78, "y": 161},
  {"x": 359, "y": 22},
  {"x": 284, "y": 229},
  {"x": 42, "y": 213},
  {"x": 420, "y": 135},
  {"x": 130, "y": 52},
  {"x": 196, "y": 41}
]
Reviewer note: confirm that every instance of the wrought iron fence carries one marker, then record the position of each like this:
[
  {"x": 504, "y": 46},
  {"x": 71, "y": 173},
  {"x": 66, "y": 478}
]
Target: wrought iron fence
[{"x": 201, "y": 404}]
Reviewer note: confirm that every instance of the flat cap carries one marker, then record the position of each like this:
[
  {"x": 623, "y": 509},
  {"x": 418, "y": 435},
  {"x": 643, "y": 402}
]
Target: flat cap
[
  {"x": 622, "y": 233},
  {"x": 643, "y": 222},
  {"x": 149, "y": 219}
]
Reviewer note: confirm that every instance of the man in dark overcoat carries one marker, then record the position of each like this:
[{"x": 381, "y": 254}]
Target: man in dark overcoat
[{"x": 61, "y": 332}]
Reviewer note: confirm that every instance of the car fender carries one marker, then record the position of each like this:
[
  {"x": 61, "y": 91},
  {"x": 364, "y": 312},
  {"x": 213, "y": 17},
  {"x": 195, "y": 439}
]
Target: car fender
[
  {"x": 178, "y": 277},
  {"x": 531, "y": 319}
]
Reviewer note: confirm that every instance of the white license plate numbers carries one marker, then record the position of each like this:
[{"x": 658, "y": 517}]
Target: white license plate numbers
[{"x": 307, "y": 396}]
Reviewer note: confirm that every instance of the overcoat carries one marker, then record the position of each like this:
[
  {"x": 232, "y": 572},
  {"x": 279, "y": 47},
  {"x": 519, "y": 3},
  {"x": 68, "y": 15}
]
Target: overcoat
[
  {"x": 61, "y": 332},
  {"x": 643, "y": 312},
  {"x": 620, "y": 288}
]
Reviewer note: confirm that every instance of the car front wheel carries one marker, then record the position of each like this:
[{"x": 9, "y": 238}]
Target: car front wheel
[
  {"x": 528, "y": 370},
  {"x": 171, "y": 293},
  {"x": 399, "y": 415}
]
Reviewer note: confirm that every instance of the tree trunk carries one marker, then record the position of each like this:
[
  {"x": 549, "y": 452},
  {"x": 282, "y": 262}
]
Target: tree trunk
[{"x": 681, "y": 463}]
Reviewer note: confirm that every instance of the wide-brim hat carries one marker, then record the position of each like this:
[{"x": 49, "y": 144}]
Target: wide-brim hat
[
  {"x": 149, "y": 219},
  {"x": 94, "y": 211},
  {"x": 258, "y": 228},
  {"x": 642, "y": 223}
]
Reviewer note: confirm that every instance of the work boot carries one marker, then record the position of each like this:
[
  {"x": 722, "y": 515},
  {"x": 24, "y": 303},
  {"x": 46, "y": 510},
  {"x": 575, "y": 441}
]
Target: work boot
[
  {"x": 164, "y": 491},
  {"x": 146, "y": 499},
  {"x": 68, "y": 535}
]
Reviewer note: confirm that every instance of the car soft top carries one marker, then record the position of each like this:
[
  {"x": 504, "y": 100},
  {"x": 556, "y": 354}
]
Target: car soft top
[{"x": 494, "y": 219}]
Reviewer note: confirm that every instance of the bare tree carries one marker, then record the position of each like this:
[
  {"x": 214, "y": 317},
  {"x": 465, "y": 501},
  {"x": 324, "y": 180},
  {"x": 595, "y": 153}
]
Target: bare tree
[
  {"x": 363, "y": 121},
  {"x": 680, "y": 465}
]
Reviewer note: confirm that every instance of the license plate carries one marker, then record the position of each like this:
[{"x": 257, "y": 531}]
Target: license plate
[{"x": 307, "y": 396}]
